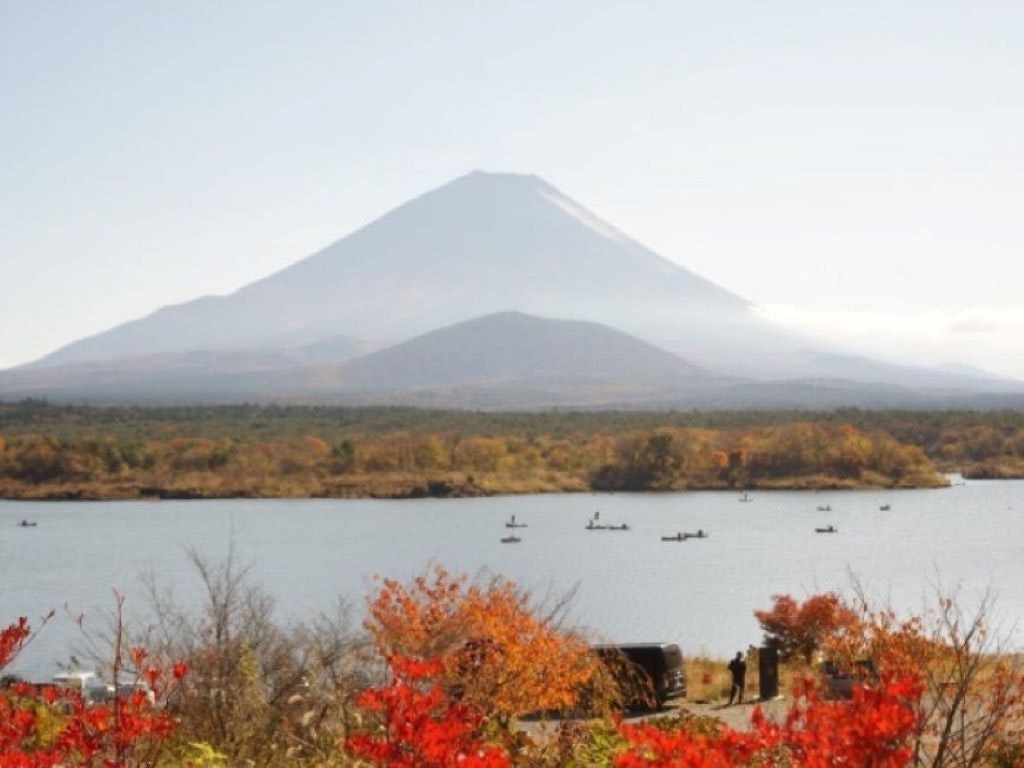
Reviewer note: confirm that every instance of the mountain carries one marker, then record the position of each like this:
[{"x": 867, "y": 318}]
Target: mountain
[
  {"x": 482, "y": 245},
  {"x": 506, "y": 356},
  {"x": 499, "y": 361},
  {"x": 945, "y": 379},
  {"x": 510, "y": 347},
  {"x": 170, "y": 376}
]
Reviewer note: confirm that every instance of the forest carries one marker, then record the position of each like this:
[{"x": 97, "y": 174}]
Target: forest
[{"x": 49, "y": 451}]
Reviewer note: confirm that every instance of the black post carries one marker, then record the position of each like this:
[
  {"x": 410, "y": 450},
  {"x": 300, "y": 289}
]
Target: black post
[{"x": 768, "y": 672}]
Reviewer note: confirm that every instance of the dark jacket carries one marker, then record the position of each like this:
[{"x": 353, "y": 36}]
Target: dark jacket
[{"x": 738, "y": 667}]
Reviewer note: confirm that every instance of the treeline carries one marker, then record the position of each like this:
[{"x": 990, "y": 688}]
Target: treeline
[
  {"x": 803, "y": 454},
  {"x": 934, "y": 431},
  {"x": 978, "y": 442},
  {"x": 454, "y": 463}
]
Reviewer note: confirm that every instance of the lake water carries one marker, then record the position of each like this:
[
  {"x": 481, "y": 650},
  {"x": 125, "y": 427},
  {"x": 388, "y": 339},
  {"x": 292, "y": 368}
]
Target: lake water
[{"x": 631, "y": 586}]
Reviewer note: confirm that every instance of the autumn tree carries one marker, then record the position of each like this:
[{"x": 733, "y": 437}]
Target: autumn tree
[
  {"x": 497, "y": 649},
  {"x": 800, "y": 628},
  {"x": 973, "y": 703},
  {"x": 255, "y": 679}
]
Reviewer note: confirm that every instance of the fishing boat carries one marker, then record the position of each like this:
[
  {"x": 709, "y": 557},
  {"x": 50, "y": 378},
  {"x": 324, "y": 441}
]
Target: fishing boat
[
  {"x": 623, "y": 527},
  {"x": 700, "y": 533},
  {"x": 827, "y": 529},
  {"x": 884, "y": 508},
  {"x": 510, "y": 539},
  {"x": 27, "y": 524},
  {"x": 825, "y": 508},
  {"x": 676, "y": 537},
  {"x": 512, "y": 523},
  {"x": 592, "y": 526}
]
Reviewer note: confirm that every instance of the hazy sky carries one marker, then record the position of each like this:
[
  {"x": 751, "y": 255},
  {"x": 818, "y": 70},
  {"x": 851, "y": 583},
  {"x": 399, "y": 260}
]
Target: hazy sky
[{"x": 856, "y": 168}]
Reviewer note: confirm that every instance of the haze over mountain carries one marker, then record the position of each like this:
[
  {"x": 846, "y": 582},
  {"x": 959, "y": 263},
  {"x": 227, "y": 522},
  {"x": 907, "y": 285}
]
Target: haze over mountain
[
  {"x": 482, "y": 244},
  {"x": 539, "y": 360},
  {"x": 505, "y": 360},
  {"x": 531, "y": 360}
]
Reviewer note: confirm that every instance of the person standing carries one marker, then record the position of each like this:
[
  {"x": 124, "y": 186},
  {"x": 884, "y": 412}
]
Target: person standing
[{"x": 738, "y": 669}]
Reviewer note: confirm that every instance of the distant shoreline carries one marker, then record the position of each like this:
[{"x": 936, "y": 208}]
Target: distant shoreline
[
  {"x": 53, "y": 453},
  {"x": 433, "y": 489}
]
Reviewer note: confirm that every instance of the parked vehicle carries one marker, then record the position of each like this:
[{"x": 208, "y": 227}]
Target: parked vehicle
[
  {"x": 648, "y": 674},
  {"x": 839, "y": 683},
  {"x": 95, "y": 690},
  {"x": 86, "y": 682}
]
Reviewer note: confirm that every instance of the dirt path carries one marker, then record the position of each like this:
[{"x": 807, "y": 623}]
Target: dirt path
[{"x": 737, "y": 716}]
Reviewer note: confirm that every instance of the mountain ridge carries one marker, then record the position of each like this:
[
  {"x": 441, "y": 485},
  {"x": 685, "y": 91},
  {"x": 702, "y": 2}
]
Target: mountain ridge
[
  {"x": 421, "y": 266},
  {"x": 479, "y": 245}
]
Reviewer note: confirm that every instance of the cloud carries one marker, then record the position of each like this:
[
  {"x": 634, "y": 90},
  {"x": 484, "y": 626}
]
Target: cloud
[{"x": 987, "y": 338}]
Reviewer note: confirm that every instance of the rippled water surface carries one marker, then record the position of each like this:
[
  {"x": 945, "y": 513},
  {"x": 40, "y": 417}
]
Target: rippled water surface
[{"x": 630, "y": 585}]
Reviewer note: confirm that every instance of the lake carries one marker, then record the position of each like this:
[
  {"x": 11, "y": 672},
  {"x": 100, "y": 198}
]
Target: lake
[{"x": 630, "y": 586}]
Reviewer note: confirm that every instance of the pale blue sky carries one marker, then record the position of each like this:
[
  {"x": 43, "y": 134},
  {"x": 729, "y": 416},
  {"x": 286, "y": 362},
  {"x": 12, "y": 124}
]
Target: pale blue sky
[{"x": 855, "y": 167}]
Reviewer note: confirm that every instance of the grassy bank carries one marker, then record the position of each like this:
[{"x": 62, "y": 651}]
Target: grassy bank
[{"x": 385, "y": 486}]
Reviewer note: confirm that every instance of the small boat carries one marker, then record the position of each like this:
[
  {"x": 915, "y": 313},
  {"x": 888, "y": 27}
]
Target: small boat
[
  {"x": 745, "y": 497},
  {"x": 511, "y": 539},
  {"x": 884, "y": 508},
  {"x": 700, "y": 533},
  {"x": 511, "y": 523},
  {"x": 623, "y": 527},
  {"x": 677, "y": 537},
  {"x": 592, "y": 526},
  {"x": 27, "y": 524},
  {"x": 825, "y": 508},
  {"x": 827, "y": 529}
]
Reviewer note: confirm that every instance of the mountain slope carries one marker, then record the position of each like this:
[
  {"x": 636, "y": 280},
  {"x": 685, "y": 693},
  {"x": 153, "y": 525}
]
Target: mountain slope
[
  {"x": 511, "y": 349},
  {"x": 500, "y": 361},
  {"x": 530, "y": 360},
  {"x": 483, "y": 243}
]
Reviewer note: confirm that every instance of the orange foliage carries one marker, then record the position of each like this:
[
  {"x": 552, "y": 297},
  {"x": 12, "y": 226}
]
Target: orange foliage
[
  {"x": 974, "y": 691},
  {"x": 800, "y": 628},
  {"x": 496, "y": 652}
]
